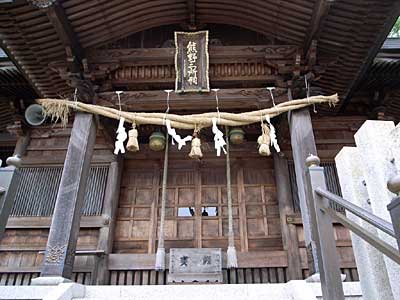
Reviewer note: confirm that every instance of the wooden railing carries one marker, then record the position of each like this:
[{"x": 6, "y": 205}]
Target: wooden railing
[{"x": 322, "y": 217}]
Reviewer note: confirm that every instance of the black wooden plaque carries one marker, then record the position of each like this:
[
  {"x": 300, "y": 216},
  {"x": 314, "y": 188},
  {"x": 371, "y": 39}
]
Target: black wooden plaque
[{"x": 191, "y": 62}]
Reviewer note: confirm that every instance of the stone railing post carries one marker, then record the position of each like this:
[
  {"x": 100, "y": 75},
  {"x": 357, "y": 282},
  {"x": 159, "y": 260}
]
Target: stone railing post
[
  {"x": 322, "y": 231},
  {"x": 394, "y": 206}
]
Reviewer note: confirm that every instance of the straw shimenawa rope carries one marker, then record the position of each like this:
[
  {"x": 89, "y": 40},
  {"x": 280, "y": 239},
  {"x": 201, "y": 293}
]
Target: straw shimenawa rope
[{"x": 59, "y": 109}]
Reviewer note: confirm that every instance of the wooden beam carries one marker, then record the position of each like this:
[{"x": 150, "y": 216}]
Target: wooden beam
[
  {"x": 76, "y": 61},
  {"x": 45, "y": 222},
  {"x": 289, "y": 231},
  {"x": 65, "y": 32},
  {"x": 228, "y": 99},
  {"x": 372, "y": 53},
  {"x": 63, "y": 236},
  {"x": 18, "y": 65},
  {"x": 110, "y": 206},
  {"x": 303, "y": 144},
  {"x": 256, "y": 259},
  {"x": 321, "y": 9},
  {"x": 136, "y": 56}
]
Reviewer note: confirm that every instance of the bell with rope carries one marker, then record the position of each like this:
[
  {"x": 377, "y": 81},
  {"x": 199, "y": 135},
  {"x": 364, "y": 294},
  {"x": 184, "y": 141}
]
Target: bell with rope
[
  {"x": 236, "y": 136},
  {"x": 157, "y": 141}
]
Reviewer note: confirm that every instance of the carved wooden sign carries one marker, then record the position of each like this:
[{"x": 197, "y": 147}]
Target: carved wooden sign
[
  {"x": 191, "y": 62},
  {"x": 195, "y": 265}
]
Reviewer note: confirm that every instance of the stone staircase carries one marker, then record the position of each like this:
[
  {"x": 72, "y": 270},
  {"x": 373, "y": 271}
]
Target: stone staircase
[{"x": 293, "y": 290}]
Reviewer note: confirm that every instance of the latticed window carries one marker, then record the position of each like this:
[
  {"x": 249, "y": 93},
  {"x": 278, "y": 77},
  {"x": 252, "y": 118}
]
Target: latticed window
[
  {"x": 332, "y": 183},
  {"x": 37, "y": 191}
]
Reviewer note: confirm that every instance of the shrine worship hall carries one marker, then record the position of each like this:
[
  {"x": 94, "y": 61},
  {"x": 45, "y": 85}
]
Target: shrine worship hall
[{"x": 190, "y": 145}]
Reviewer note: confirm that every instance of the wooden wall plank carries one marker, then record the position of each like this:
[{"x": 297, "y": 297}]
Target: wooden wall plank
[
  {"x": 289, "y": 234},
  {"x": 110, "y": 204}
]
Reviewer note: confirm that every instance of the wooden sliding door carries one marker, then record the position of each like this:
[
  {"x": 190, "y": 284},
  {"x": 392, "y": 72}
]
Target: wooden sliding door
[{"x": 196, "y": 213}]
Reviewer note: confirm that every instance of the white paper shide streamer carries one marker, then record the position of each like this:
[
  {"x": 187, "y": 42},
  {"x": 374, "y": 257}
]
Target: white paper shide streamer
[
  {"x": 121, "y": 137},
  {"x": 176, "y": 137},
  {"x": 272, "y": 134},
  {"x": 219, "y": 141}
]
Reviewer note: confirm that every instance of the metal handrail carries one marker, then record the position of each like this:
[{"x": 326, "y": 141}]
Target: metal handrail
[
  {"x": 379, "y": 223},
  {"x": 373, "y": 240}
]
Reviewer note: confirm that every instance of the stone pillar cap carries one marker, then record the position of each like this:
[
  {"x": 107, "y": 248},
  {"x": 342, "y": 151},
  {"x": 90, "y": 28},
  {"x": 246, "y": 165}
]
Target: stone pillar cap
[
  {"x": 14, "y": 161},
  {"x": 393, "y": 184},
  {"x": 312, "y": 160}
]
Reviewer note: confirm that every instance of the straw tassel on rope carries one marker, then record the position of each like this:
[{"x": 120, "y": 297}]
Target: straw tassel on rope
[
  {"x": 264, "y": 141},
  {"x": 133, "y": 144},
  {"x": 231, "y": 257},
  {"x": 195, "y": 151},
  {"x": 160, "y": 255}
]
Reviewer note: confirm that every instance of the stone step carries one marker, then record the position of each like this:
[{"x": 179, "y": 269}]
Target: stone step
[{"x": 293, "y": 290}]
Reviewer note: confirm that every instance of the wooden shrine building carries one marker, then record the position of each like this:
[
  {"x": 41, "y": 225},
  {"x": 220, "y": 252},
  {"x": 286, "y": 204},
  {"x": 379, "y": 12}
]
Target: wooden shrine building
[{"x": 91, "y": 49}]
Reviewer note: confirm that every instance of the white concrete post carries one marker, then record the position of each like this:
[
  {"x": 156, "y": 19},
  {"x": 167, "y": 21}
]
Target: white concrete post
[
  {"x": 374, "y": 284},
  {"x": 375, "y": 145}
]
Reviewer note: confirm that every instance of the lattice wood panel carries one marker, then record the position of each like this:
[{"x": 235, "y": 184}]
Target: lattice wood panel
[
  {"x": 37, "y": 191},
  {"x": 255, "y": 207},
  {"x": 234, "y": 276}
]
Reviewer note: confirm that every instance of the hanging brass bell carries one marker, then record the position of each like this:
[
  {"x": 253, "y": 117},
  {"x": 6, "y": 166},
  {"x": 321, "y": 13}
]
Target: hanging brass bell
[
  {"x": 157, "y": 141},
  {"x": 236, "y": 136}
]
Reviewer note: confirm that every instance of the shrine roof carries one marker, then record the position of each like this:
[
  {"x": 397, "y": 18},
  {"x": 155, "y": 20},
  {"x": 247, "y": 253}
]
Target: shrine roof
[{"x": 349, "y": 33}]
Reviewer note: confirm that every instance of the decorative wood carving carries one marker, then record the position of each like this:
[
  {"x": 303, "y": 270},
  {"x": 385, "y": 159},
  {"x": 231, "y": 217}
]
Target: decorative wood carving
[
  {"x": 42, "y": 3},
  {"x": 228, "y": 99},
  {"x": 269, "y": 65},
  {"x": 55, "y": 253}
]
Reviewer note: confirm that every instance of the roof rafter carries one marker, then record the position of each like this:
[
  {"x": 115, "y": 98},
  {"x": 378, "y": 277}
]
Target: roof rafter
[
  {"x": 65, "y": 32},
  {"x": 318, "y": 17},
  {"x": 372, "y": 53},
  {"x": 75, "y": 52}
]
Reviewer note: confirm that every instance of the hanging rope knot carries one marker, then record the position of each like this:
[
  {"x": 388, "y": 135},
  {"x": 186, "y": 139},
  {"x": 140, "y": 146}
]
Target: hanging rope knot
[
  {"x": 264, "y": 141},
  {"x": 270, "y": 89},
  {"x": 308, "y": 93},
  {"x": 267, "y": 138},
  {"x": 133, "y": 143},
  {"x": 167, "y": 110},
  {"x": 76, "y": 98},
  {"x": 119, "y": 101},
  {"x": 216, "y": 100},
  {"x": 195, "y": 151}
]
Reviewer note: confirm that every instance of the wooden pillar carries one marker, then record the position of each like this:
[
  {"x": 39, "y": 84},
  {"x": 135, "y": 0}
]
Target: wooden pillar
[
  {"x": 64, "y": 230},
  {"x": 303, "y": 144},
  {"x": 289, "y": 232},
  {"x": 100, "y": 275}
]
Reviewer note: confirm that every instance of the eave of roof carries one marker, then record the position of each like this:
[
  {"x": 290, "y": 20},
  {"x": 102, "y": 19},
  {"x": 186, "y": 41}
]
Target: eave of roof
[{"x": 349, "y": 31}]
